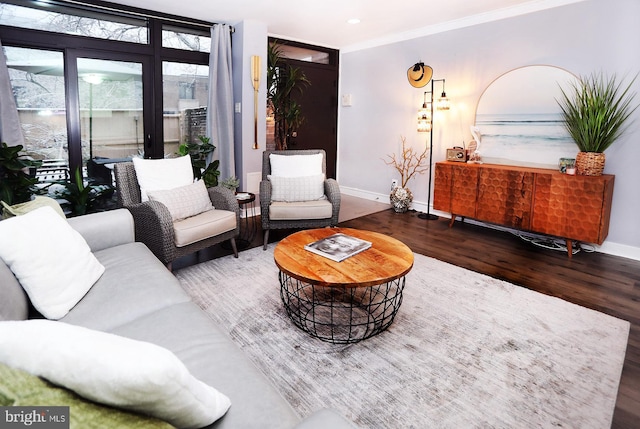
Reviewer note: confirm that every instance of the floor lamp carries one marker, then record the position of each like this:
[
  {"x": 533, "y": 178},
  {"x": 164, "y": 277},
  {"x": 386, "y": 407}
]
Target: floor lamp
[{"x": 425, "y": 124}]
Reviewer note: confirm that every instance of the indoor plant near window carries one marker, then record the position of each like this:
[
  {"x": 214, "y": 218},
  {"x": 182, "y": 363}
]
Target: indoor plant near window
[
  {"x": 595, "y": 111},
  {"x": 199, "y": 153},
  {"x": 16, "y": 184},
  {"x": 411, "y": 164},
  {"x": 283, "y": 80}
]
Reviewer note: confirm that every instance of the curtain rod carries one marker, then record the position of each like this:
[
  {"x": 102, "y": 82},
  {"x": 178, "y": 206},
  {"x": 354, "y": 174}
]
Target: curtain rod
[{"x": 144, "y": 15}]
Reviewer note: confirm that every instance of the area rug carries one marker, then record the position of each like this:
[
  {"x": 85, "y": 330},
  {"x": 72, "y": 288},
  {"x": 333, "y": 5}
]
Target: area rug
[{"x": 465, "y": 350}]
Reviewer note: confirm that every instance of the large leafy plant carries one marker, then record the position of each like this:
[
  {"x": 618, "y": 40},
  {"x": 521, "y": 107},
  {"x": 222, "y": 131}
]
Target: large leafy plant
[
  {"x": 283, "y": 81},
  {"x": 595, "y": 111},
  {"x": 199, "y": 153},
  {"x": 16, "y": 185}
]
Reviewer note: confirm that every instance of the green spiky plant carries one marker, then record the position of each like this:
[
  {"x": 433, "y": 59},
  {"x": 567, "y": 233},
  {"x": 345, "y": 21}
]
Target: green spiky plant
[
  {"x": 595, "y": 111},
  {"x": 81, "y": 198}
]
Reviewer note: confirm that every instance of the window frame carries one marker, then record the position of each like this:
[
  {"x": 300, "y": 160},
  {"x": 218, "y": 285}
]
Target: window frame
[{"x": 151, "y": 55}]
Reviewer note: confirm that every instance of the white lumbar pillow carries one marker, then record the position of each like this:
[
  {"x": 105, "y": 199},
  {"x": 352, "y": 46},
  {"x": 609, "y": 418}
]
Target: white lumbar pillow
[
  {"x": 162, "y": 174},
  {"x": 294, "y": 189},
  {"x": 112, "y": 370},
  {"x": 185, "y": 201},
  {"x": 295, "y": 165},
  {"x": 50, "y": 259}
]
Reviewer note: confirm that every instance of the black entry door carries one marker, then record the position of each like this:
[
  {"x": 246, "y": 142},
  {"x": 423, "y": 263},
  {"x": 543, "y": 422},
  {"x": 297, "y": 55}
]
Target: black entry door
[{"x": 319, "y": 105}]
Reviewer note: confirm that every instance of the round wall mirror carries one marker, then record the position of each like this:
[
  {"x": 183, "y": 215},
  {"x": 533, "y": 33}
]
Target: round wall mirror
[{"x": 519, "y": 120}]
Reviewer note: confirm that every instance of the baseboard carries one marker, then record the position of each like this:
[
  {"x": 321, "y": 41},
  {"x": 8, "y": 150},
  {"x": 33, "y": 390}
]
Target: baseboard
[{"x": 608, "y": 247}]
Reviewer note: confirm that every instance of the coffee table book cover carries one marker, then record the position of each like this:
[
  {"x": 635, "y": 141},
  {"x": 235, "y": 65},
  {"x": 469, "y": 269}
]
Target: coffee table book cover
[{"x": 338, "y": 247}]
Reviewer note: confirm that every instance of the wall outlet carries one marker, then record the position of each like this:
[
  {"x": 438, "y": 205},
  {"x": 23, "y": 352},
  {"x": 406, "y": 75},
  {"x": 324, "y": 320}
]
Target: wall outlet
[{"x": 394, "y": 184}]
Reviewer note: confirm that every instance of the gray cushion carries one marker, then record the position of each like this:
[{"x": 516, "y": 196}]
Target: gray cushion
[
  {"x": 319, "y": 209},
  {"x": 135, "y": 283},
  {"x": 212, "y": 357},
  {"x": 14, "y": 304}
]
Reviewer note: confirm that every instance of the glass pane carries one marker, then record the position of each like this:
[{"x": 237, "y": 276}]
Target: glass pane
[
  {"x": 302, "y": 54},
  {"x": 38, "y": 87},
  {"x": 69, "y": 21},
  {"x": 179, "y": 39},
  {"x": 111, "y": 122},
  {"x": 185, "y": 95}
]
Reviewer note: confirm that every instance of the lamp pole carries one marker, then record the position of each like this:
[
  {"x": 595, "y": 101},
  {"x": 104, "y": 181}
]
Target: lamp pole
[{"x": 428, "y": 215}]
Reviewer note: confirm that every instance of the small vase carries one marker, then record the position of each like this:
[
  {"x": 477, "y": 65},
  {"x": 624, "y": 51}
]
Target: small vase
[
  {"x": 401, "y": 199},
  {"x": 590, "y": 163}
]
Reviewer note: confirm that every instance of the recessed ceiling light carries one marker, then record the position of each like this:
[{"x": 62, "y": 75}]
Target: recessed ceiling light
[{"x": 354, "y": 21}]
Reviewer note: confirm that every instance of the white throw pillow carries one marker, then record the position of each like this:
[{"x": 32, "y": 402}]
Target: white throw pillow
[
  {"x": 295, "y": 165},
  {"x": 162, "y": 174},
  {"x": 293, "y": 189},
  {"x": 50, "y": 259},
  {"x": 185, "y": 201},
  {"x": 112, "y": 370}
]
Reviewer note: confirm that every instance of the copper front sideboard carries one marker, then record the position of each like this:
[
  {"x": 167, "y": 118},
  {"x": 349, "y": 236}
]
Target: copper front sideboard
[{"x": 538, "y": 200}]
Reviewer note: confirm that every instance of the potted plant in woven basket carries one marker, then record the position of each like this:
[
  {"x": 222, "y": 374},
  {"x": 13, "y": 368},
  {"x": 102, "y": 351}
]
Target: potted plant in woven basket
[{"x": 595, "y": 111}]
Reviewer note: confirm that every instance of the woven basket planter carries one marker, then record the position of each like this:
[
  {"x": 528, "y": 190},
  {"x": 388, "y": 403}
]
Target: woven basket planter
[{"x": 590, "y": 163}]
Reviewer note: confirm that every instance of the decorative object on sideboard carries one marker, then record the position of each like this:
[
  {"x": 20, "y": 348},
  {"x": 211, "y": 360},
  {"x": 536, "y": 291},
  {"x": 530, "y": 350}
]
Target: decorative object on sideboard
[
  {"x": 595, "y": 111},
  {"x": 408, "y": 166},
  {"x": 457, "y": 154},
  {"x": 419, "y": 75},
  {"x": 473, "y": 148},
  {"x": 567, "y": 165}
]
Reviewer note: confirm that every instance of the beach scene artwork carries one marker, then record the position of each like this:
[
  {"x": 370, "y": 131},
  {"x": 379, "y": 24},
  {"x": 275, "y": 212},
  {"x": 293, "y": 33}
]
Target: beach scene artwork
[{"x": 519, "y": 120}]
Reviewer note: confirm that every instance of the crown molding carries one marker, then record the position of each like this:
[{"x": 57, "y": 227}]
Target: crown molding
[{"x": 483, "y": 18}]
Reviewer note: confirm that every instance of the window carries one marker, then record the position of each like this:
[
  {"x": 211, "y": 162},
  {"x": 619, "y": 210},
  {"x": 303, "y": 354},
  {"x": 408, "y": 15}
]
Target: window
[
  {"x": 185, "y": 90},
  {"x": 52, "y": 16},
  {"x": 39, "y": 90},
  {"x": 104, "y": 111},
  {"x": 178, "y": 38}
]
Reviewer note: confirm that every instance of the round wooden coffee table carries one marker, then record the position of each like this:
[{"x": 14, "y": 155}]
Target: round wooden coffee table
[{"x": 342, "y": 302}]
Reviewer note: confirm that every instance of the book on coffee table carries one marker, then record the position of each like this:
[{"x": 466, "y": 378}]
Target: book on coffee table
[{"x": 338, "y": 247}]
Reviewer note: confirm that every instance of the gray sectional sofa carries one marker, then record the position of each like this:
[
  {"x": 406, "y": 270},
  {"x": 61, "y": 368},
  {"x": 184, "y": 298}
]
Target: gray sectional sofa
[{"x": 137, "y": 297}]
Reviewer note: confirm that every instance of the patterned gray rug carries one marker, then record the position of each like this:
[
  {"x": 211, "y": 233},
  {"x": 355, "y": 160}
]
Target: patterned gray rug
[{"x": 465, "y": 351}]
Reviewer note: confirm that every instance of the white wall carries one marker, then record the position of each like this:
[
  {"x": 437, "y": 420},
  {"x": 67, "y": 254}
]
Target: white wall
[
  {"x": 594, "y": 35},
  {"x": 249, "y": 38}
]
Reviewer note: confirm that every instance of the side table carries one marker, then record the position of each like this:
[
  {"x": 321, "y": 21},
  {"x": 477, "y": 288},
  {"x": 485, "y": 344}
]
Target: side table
[{"x": 248, "y": 226}]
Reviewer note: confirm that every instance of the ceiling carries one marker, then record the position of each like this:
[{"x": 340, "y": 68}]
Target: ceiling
[{"x": 324, "y": 22}]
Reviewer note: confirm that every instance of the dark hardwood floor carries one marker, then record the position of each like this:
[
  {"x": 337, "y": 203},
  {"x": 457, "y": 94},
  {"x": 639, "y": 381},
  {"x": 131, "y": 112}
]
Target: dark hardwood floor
[{"x": 598, "y": 281}]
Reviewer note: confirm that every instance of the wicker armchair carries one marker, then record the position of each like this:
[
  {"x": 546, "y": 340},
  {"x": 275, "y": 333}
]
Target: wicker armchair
[
  {"x": 286, "y": 217},
  {"x": 153, "y": 223}
]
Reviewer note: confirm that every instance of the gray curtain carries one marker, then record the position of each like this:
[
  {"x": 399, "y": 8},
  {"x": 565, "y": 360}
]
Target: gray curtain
[
  {"x": 220, "y": 109},
  {"x": 10, "y": 128}
]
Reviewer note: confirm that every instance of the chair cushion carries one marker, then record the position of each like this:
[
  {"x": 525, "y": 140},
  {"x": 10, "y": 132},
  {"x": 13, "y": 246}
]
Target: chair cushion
[
  {"x": 292, "y": 189},
  {"x": 296, "y": 165},
  {"x": 318, "y": 209},
  {"x": 185, "y": 201},
  {"x": 162, "y": 174},
  {"x": 204, "y": 225}
]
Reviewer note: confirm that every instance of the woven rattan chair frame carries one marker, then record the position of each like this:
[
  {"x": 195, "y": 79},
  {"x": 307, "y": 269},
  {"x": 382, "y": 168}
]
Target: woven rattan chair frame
[
  {"x": 153, "y": 223},
  {"x": 331, "y": 191}
]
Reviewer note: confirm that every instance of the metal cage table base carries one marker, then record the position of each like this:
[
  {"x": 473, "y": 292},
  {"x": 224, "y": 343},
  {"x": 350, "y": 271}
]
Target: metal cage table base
[{"x": 340, "y": 314}]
